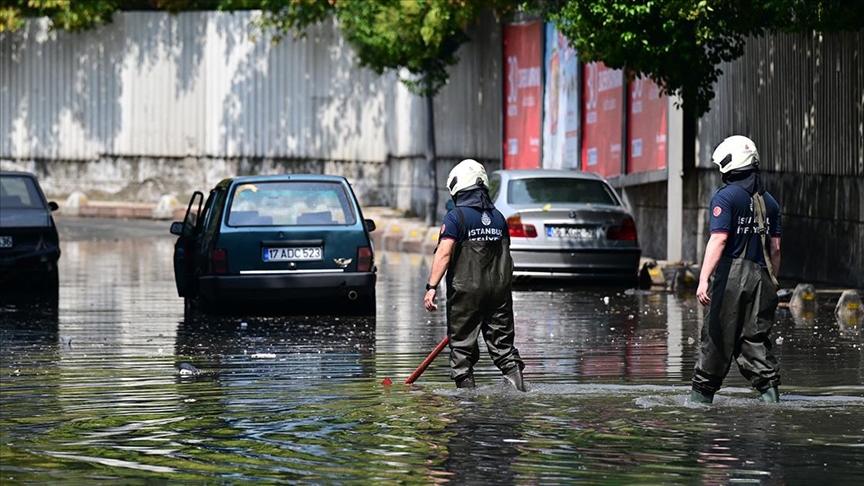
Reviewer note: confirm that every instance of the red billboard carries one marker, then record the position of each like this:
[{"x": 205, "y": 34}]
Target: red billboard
[
  {"x": 602, "y": 105},
  {"x": 523, "y": 95},
  {"x": 646, "y": 126}
]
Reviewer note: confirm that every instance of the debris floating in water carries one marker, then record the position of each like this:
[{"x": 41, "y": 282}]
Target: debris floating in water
[{"x": 188, "y": 369}]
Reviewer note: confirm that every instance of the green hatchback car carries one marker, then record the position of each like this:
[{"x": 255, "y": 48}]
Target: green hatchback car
[{"x": 283, "y": 239}]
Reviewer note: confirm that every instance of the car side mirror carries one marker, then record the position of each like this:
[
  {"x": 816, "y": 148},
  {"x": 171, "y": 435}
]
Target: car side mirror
[
  {"x": 370, "y": 225},
  {"x": 53, "y": 206},
  {"x": 177, "y": 228}
]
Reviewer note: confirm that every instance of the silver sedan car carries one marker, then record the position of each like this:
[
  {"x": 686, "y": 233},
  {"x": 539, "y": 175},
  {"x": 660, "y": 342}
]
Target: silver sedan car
[{"x": 566, "y": 224}]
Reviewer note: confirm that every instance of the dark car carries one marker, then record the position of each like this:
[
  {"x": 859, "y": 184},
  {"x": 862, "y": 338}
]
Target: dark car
[
  {"x": 566, "y": 225},
  {"x": 29, "y": 244},
  {"x": 286, "y": 239}
]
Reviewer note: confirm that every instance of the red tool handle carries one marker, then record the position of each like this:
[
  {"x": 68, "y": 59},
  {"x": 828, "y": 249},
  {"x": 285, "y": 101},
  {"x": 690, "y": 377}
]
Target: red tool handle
[{"x": 426, "y": 362}]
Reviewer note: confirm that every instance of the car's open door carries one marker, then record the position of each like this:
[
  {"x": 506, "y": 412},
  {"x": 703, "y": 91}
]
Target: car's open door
[{"x": 184, "y": 248}]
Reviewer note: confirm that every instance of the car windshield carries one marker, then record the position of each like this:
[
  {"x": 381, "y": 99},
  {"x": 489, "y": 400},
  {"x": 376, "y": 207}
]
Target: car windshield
[
  {"x": 542, "y": 190},
  {"x": 290, "y": 204},
  {"x": 19, "y": 193}
]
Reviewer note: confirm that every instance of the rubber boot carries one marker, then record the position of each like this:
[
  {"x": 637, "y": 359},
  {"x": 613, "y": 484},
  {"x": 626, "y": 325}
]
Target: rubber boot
[
  {"x": 466, "y": 382},
  {"x": 514, "y": 376},
  {"x": 771, "y": 395},
  {"x": 696, "y": 397}
]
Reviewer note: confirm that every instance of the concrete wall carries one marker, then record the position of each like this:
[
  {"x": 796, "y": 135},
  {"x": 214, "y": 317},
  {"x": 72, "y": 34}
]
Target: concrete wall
[
  {"x": 406, "y": 182},
  {"x": 146, "y": 179},
  {"x": 648, "y": 202},
  {"x": 823, "y": 226}
]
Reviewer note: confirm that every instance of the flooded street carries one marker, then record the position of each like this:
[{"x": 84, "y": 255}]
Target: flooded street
[{"x": 93, "y": 392}]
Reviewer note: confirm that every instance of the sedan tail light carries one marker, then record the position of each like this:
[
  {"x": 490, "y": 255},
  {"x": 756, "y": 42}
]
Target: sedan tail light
[
  {"x": 218, "y": 261},
  {"x": 519, "y": 230},
  {"x": 365, "y": 259},
  {"x": 626, "y": 231}
]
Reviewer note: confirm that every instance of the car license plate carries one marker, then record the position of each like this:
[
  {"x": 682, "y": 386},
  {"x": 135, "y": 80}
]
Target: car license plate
[
  {"x": 575, "y": 232},
  {"x": 292, "y": 254},
  {"x": 5, "y": 242}
]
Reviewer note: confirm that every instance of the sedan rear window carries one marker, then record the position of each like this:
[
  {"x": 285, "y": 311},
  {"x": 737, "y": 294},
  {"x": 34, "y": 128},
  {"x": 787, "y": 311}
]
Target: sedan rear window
[
  {"x": 290, "y": 204},
  {"x": 19, "y": 193},
  {"x": 544, "y": 190}
]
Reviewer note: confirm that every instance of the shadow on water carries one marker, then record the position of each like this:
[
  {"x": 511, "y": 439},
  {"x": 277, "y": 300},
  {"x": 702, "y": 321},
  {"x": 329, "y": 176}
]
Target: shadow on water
[
  {"x": 29, "y": 304},
  {"x": 226, "y": 334},
  {"x": 28, "y": 319},
  {"x": 322, "y": 309},
  {"x": 216, "y": 344}
]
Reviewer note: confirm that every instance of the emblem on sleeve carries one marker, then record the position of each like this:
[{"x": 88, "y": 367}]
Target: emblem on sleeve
[
  {"x": 443, "y": 228},
  {"x": 717, "y": 211}
]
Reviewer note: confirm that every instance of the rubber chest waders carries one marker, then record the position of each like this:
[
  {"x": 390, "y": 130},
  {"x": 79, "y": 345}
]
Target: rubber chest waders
[
  {"x": 739, "y": 321},
  {"x": 479, "y": 280}
]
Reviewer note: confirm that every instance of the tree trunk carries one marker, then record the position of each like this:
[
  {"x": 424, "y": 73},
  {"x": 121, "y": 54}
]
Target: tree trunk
[{"x": 432, "y": 208}]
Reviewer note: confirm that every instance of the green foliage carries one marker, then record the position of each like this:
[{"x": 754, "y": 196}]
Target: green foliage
[
  {"x": 680, "y": 44},
  {"x": 677, "y": 43},
  {"x": 75, "y": 15},
  {"x": 421, "y": 36},
  {"x": 64, "y": 14}
]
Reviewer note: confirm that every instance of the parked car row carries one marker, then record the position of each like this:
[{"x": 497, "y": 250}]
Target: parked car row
[
  {"x": 292, "y": 239},
  {"x": 29, "y": 244}
]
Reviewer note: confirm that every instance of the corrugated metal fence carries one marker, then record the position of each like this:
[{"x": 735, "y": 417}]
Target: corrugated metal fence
[
  {"x": 196, "y": 84},
  {"x": 799, "y": 97}
]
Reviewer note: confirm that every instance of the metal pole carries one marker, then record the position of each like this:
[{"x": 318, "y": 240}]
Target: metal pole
[
  {"x": 426, "y": 362},
  {"x": 432, "y": 209},
  {"x": 675, "y": 181}
]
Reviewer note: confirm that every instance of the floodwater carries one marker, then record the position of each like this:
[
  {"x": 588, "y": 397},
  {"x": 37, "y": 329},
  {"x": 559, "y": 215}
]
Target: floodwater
[{"x": 93, "y": 392}]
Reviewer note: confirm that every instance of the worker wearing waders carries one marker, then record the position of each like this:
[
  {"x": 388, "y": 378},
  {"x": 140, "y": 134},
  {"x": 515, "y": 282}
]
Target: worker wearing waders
[
  {"x": 743, "y": 255},
  {"x": 474, "y": 252}
]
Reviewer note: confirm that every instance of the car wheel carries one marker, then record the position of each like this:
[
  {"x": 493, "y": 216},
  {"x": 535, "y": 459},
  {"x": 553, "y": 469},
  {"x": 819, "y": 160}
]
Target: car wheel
[
  {"x": 53, "y": 280},
  {"x": 209, "y": 307},
  {"x": 44, "y": 284},
  {"x": 365, "y": 306},
  {"x": 191, "y": 308},
  {"x": 190, "y": 304}
]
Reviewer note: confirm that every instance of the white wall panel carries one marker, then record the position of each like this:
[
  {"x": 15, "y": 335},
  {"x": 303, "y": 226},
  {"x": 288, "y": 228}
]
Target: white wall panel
[{"x": 194, "y": 84}]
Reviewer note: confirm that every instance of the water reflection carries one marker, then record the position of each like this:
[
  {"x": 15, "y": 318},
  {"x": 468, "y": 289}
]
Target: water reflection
[{"x": 93, "y": 392}]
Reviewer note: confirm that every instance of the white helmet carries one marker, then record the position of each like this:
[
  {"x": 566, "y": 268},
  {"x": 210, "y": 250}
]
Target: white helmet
[
  {"x": 468, "y": 173},
  {"x": 736, "y": 152}
]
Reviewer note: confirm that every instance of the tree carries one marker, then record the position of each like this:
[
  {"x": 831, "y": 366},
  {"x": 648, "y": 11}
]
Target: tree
[
  {"x": 75, "y": 15},
  {"x": 680, "y": 44},
  {"x": 64, "y": 14},
  {"x": 421, "y": 36}
]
